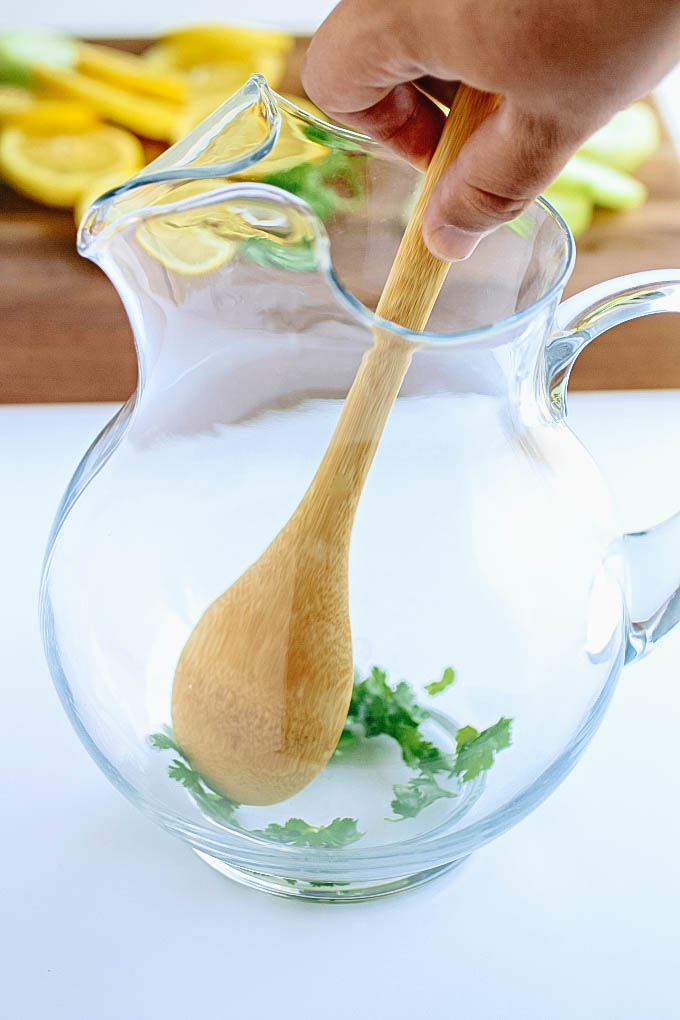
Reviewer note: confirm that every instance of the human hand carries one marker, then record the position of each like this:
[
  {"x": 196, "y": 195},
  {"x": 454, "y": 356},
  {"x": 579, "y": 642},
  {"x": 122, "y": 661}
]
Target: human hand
[{"x": 563, "y": 67}]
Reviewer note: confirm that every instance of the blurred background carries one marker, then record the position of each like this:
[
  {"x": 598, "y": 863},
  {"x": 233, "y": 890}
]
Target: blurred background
[{"x": 87, "y": 107}]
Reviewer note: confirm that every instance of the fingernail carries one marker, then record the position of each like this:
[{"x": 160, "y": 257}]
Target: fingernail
[{"x": 451, "y": 243}]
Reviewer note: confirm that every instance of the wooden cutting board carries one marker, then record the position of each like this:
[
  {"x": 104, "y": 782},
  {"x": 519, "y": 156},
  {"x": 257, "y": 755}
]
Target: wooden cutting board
[{"x": 64, "y": 335}]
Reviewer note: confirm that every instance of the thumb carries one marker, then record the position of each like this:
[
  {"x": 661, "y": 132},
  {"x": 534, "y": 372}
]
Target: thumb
[{"x": 501, "y": 169}]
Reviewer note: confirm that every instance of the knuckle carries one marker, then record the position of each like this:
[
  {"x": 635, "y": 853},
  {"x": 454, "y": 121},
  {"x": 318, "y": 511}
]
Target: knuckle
[{"x": 488, "y": 206}]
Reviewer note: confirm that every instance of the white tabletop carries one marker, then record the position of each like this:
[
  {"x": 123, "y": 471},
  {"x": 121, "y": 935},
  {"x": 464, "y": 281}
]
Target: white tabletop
[{"x": 570, "y": 916}]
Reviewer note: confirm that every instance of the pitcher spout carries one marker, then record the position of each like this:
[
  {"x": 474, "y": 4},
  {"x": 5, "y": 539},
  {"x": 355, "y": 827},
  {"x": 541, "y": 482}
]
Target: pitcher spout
[{"x": 237, "y": 135}]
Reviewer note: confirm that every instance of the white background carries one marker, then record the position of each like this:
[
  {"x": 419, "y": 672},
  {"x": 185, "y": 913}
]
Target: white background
[
  {"x": 143, "y": 17},
  {"x": 570, "y": 916}
]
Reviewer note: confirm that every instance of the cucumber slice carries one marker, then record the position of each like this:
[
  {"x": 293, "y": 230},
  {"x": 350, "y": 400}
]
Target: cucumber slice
[
  {"x": 602, "y": 184},
  {"x": 22, "y": 48},
  {"x": 573, "y": 206},
  {"x": 630, "y": 138}
]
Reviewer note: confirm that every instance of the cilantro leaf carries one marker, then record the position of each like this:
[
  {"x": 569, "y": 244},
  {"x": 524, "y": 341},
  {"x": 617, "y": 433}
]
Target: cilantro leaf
[
  {"x": 432, "y": 759},
  {"x": 306, "y": 180},
  {"x": 437, "y": 686},
  {"x": 218, "y": 806},
  {"x": 464, "y": 735},
  {"x": 339, "y": 833},
  {"x": 317, "y": 133},
  {"x": 185, "y": 775},
  {"x": 214, "y": 804},
  {"x": 326, "y": 185},
  {"x": 476, "y": 751},
  {"x": 405, "y": 699},
  {"x": 378, "y": 709},
  {"x": 421, "y": 791},
  {"x": 381, "y": 709},
  {"x": 316, "y": 182},
  {"x": 164, "y": 741},
  {"x": 300, "y": 257}
]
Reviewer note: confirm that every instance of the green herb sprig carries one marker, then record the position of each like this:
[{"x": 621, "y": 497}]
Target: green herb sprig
[
  {"x": 339, "y": 833},
  {"x": 316, "y": 182},
  {"x": 376, "y": 709}
]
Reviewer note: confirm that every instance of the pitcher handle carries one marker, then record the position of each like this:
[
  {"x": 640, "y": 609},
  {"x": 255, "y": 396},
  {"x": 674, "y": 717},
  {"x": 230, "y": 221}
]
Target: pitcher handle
[{"x": 653, "y": 555}]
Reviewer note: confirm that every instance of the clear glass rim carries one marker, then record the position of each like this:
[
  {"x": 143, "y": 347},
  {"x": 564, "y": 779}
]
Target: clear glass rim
[{"x": 256, "y": 87}]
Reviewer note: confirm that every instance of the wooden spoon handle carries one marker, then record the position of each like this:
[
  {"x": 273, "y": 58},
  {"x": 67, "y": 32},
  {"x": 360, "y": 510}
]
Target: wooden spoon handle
[
  {"x": 411, "y": 289},
  {"x": 416, "y": 276}
]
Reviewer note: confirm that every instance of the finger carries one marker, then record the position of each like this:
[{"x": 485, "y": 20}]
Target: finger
[
  {"x": 375, "y": 93},
  {"x": 443, "y": 91},
  {"x": 354, "y": 59},
  {"x": 501, "y": 169},
  {"x": 405, "y": 121}
]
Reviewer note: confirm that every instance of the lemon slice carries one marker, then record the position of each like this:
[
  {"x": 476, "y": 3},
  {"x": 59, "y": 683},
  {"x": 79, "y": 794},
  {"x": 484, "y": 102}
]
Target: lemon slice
[
  {"x": 198, "y": 240},
  {"x": 200, "y": 69},
  {"x": 52, "y": 116},
  {"x": 228, "y": 77},
  {"x": 230, "y": 38},
  {"x": 187, "y": 242},
  {"x": 14, "y": 99},
  {"x": 189, "y": 250},
  {"x": 56, "y": 169},
  {"x": 207, "y": 44}
]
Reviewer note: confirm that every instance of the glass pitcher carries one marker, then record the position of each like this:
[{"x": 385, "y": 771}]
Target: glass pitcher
[{"x": 493, "y": 598}]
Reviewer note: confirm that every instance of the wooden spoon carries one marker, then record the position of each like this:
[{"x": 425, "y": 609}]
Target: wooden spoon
[{"x": 263, "y": 685}]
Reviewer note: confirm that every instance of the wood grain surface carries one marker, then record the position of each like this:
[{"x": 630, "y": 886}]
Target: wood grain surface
[{"x": 64, "y": 335}]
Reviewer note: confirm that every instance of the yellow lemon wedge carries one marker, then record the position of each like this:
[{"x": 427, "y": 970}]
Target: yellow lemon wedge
[
  {"x": 236, "y": 37},
  {"x": 151, "y": 118},
  {"x": 186, "y": 241},
  {"x": 56, "y": 169},
  {"x": 13, "y": 100},
  {"x": 224, "y": 79},
  {"x": 190, "y": 250},
  {"x": 209, "y": 75},
  {"x": 52, "y": 116},
  {"x": 207, "y": 44},
  {"x": 202, "y": 238},
  {"x": 129, "y": 71}
]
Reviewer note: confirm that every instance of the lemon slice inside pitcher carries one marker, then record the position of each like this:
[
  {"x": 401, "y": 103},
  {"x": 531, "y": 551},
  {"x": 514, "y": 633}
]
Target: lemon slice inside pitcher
[
  {"x": 187, "y": 252},
  {"x": 187, "y": 242},
  {"x": 201, "y": 239}
]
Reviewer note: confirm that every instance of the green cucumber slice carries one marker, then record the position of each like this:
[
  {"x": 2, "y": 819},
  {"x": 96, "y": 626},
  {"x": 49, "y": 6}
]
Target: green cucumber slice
[
  {"x": 630, "y": 138},
  {"x": 22, "y": 48},
  {"x": 602, "y": 184}
]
